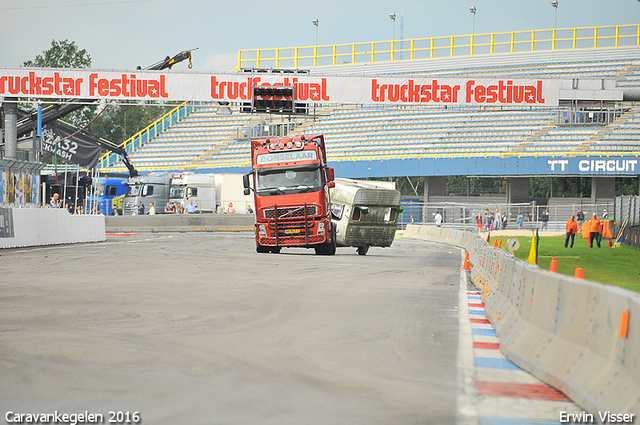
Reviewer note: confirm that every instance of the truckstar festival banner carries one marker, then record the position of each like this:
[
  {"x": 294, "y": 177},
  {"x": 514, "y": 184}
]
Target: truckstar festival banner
[{"x": 149, "y": 85}]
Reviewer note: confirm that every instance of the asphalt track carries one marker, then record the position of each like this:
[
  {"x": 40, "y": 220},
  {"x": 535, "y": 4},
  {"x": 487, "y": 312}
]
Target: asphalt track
[{"x": 200, "y": 329}]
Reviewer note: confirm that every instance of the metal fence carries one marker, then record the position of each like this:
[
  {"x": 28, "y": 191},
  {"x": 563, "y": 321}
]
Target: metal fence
[
  {"x": 627, "y": 214},
  {"x": 463, "y": 216}
]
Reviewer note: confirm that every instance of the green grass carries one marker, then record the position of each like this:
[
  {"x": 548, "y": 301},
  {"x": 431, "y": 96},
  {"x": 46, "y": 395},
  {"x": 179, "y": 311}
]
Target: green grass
[{"x": 612, "y": 266}]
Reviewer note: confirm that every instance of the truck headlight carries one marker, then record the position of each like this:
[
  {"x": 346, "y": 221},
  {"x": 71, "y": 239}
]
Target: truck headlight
[
  {"x": 321, "y": 228},
  {"x": 262, "y": 231}
]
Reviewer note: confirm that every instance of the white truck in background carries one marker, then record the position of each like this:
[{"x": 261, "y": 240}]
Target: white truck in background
[
  {"x": 230, "y": 190},
  {"x": 150, "y": 188},
  {"x": 199, "y": 188},
  {"x": 212, "y": 192}
]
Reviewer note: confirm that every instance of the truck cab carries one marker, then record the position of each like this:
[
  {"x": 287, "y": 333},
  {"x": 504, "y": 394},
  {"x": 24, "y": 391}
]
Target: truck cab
[
  {"x": 290, "y": 180},
  {"x": 151, "y": 188},
  {"x": 199, "y": 188},
  {"x": 107, "y": 194}
]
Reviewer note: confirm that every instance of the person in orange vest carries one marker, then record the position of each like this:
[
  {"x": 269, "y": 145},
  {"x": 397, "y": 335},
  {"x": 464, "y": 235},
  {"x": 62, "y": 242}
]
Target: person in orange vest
[
  {"x": 594, "y": 230},
  {"x": 572, "y": 229}
]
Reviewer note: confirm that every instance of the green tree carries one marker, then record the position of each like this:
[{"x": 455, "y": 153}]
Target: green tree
[
  {"x": 119, "y": 122},
  {"x": 61, "y": 54},
  {"x": 66, "y": 54}
]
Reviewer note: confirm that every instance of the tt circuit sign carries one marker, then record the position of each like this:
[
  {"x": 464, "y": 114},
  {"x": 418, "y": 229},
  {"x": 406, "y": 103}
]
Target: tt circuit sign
[
  {"x": 622, "y": 166},
  {"x": 150, "y": 85}
]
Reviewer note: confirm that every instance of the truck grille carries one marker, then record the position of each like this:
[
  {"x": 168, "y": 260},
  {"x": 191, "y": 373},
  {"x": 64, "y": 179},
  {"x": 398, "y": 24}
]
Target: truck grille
[{"x": 291, "y": 212}]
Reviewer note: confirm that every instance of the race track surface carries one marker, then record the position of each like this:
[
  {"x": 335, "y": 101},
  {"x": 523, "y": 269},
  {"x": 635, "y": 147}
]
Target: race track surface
[{"x": 200, "y": 329}]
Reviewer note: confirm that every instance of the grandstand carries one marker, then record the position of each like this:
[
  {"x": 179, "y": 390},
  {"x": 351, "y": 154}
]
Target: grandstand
[{"x": 203, "y": 138}]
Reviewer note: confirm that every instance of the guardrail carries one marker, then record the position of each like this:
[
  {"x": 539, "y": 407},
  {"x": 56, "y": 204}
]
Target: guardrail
[
  {"x": 442, "y": 47},
  {"x": 578, "y": 336}
]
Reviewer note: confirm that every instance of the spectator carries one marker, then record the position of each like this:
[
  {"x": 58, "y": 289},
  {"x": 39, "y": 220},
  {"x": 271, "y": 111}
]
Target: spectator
[
  {"x": 605, "y": 214},
  {"x": 520, "y": 221},
  {"x": 479, "y": 221},
  {"x": 545, "y": 220},
  {"x": 490, "y": 221},
  {"x": 572, "y": 229},
  {"x": 55, "y": 201},
  {"x": 438, "y": 219},
  {"x": 230, "y": 208},
  {"x": 152, "y": 209},
  {"x": 580, "y": 217},
  {"x": 594, "y": 231},
  {"x": 191, "y": 208},
  {"x": 178, "y": 208},
  {"x": 250, "y": 210},
  {"x": 504, "y": 221},
  {"x": 140, "y": 208},
  {"x": 169, "y": 209}
]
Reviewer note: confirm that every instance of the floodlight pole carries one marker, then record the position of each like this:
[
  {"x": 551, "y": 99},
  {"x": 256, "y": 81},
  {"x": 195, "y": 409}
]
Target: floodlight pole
[
  {"x": 472, "y": 9},
  {"x": 315, "y": 22},
  {"x": 393, "y": 39},
  {"x": 554, "y": 4}
]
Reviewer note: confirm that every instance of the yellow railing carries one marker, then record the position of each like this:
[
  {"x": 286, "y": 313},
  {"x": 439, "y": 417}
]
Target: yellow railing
[
  {"x": 442, "y": 47},
  {"x": 140, "y": 138}
]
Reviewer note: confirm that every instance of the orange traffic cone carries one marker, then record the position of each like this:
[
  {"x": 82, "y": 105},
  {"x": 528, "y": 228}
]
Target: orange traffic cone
[
  {"x": 500, "y": 244},
  {"x": 467, "y": 264},
  {"x": 554, "y": 265},
  {"x": 578, "y": 274},
  {"x": 610, "y": 243},
  {"x": 495, "y": 243}
]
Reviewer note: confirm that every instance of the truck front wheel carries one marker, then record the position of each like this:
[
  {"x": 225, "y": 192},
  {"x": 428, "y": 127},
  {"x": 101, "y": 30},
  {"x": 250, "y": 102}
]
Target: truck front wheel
[{"x": 328, "y": 248}]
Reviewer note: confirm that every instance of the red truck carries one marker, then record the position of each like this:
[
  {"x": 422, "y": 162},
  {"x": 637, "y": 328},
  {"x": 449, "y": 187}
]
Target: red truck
[{"x": 290, "y": 180}]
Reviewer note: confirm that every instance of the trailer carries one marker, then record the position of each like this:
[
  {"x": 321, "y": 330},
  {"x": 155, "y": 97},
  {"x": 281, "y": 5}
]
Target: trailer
[{"x": 365, "y": 213}]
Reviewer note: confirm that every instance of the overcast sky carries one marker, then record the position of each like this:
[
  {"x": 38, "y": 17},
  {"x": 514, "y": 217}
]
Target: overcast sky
[{"x": 122, "y": 34}]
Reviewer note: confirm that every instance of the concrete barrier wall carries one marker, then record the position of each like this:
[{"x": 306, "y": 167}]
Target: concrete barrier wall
[
  {"x": 563, "y": 330},
  {"x": 180, "y": 223},
  {"x": 48, "y": 226}
]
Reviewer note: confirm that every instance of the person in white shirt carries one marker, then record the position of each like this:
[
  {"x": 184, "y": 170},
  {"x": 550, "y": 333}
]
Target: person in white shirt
[{"x": 438, "y": 219}]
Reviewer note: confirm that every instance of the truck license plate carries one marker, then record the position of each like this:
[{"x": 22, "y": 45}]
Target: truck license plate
[{"x": 290, "y": 231}]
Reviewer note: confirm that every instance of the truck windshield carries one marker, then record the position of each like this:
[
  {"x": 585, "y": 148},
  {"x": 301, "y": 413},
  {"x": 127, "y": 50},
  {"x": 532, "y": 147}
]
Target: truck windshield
[
  {"x": 279, "y": 181},
  {"x": 100, "y": 189},
  {"x": 177, "y": 192},
  {"x": 133, "y": 190}
]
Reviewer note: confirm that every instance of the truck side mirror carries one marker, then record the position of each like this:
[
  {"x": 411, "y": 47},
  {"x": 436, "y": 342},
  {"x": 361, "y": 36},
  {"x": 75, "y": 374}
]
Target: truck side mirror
[
  {"x": 246, "y": 191},
  {"x": 331, "y": 185},
  {"x": 245, "y": 182},
  {"x": 332, "y": 176}
]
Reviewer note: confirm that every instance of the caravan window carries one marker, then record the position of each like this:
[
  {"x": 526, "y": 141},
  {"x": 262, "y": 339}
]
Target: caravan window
[
  {"x": 357, "y": 214},
  {"x": 390, "y": 215}
]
